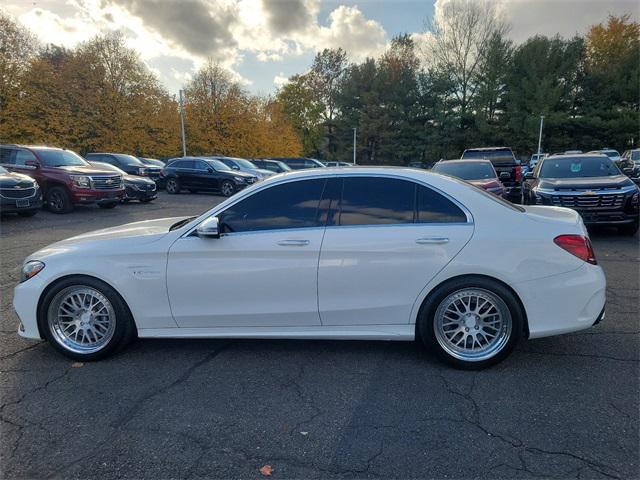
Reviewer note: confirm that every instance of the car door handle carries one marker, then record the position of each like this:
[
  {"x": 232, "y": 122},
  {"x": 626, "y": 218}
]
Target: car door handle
[
  {"x": 432, "y": 240},
  {"x": 293, "y": 243}
]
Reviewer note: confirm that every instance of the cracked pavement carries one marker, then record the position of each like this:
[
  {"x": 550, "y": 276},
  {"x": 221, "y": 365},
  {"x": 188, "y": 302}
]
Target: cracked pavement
[{"x": 561, "y": 407}]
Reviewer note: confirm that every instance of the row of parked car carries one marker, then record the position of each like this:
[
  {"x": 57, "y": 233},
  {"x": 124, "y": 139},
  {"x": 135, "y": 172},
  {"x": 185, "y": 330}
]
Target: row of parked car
[
  {"x": 60, "y": 179},
  {"x": 603, "y": 188}
]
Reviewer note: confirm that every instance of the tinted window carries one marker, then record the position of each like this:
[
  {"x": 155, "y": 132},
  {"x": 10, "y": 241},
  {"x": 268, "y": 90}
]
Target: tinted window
[
  {"x": 183, "y": 164},
  {"x": 200, "y": 165},
  {"x": 128, "y": 160},
  {"x": 60, "y": 158},
  {"x": 498, "y": 155},
  {"x": 375, "y": 201},
  {"x": 435, "y": 208},
  {"x": 291, "y": 205}
]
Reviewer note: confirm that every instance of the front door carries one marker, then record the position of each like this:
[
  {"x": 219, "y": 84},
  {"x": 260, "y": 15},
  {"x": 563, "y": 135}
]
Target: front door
[
  {"x": 388, "y": 239},
  {"x": 262, "y": 272}
]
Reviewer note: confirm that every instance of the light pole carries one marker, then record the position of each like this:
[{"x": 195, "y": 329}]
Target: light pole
[
  {"x": 354, "y": 145},
  {"x": 184, "y": 143},
  {"x": 540, "y": 136}
]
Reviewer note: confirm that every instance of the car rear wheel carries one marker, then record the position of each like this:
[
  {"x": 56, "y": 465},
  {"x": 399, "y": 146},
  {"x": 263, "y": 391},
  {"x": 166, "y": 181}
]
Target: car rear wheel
[
  {"x": 85, "y": 319},
  {"x": 58, "y": 200},
  {"x": 227, "y": 188},
  {"x": 172, "y": 186},
  {"x": 471, "y": 323}
]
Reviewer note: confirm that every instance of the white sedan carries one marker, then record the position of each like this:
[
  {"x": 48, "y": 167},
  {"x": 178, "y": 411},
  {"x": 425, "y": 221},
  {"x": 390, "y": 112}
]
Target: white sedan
[{"x": 346, "y": 253}]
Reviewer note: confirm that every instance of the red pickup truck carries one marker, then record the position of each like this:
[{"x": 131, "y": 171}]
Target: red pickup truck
[{"x": 66, "y": 179}]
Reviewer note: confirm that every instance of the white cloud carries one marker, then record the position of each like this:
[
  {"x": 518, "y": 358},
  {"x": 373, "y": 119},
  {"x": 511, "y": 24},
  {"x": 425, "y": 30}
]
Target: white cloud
[{"x": 280, "y": 79}]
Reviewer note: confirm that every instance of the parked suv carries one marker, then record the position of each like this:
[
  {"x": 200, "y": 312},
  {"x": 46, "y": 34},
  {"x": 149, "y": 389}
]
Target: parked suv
[
  {"x": 592, "y": 184},
  {"x": 128, "y": 163},
  {"x": 204, "y": 174},
  {"x": 272, "y": 165},
  {"x": 503, "y": 160},
  {"x": 66, "y": 179},
  {"x": 300, "y": 163}
]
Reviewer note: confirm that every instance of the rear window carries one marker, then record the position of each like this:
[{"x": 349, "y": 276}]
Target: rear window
[
  {"x": 498, "y": 155},
  {"x": 466, "y": 170}
]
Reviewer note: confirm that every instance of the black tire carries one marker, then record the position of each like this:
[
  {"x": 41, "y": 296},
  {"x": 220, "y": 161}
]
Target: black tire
[
  {"x": 58, "y": 200},
  {"x": 173, "y": 186},
  {"x": 227, "y": 188},
  {"x": 27, "y": 213},
  {"x": 630, "y": 230},
  {"x": 425, "y": 328},
  {"x": 125, "y": 329},
  {"x": 108, "y": 205}
]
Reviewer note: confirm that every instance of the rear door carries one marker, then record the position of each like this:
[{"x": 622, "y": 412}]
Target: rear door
[{"x": 386, "y": 239}]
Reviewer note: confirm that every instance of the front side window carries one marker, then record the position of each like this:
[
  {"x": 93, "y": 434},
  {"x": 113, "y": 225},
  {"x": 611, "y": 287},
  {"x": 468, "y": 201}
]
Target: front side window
[
  {"x": 376, "y": 201},
  {"x": 289, "y": 205}
]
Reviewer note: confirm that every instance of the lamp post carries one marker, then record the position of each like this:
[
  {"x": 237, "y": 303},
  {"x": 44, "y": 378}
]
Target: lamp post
[
  {"x": 184, "y": 144},
  {"x": 354, "y": 145},
  {"x": 540, "y": 136}
]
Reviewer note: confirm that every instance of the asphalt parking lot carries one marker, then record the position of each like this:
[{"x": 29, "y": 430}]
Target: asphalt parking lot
[{"x": 565, "y": 407}]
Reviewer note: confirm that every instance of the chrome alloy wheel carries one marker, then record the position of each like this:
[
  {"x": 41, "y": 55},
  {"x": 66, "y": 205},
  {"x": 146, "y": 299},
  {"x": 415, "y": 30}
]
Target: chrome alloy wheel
[
  {"x": 472, "y": 324},
  {"x": 227, "y": 189},
  {"x": 81, "y": 319}
]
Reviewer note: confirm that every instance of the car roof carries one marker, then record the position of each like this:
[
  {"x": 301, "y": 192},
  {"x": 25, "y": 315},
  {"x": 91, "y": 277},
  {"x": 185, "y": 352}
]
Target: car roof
[
  {"x": 466, "y": 160},
  {"x": 479, "y": 149}
]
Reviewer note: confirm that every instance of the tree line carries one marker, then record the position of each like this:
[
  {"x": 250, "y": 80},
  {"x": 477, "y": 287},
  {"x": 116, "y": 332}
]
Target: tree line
[
  {"x": 471, "y": 86},
  {"x": 467, "y": 85},
  {"x": 100, "y": 96}
]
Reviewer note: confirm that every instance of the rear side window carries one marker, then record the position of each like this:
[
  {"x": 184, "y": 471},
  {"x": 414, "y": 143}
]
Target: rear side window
[
  {"x": 23, "y": 155},
  {"x": 183, "y": 164},
  {"x": 290, "y": 205},
  {"x": 376, "y": 201},
  {"x": 7, "y": 156},
  {"x": 432, "y": 207}
]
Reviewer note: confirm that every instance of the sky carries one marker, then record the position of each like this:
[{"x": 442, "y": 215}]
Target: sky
[{"x": 263, "y": 42}]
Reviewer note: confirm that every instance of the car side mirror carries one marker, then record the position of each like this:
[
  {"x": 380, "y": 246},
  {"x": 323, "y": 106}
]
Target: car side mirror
[
  {"x": 529, "y": 176},
  {"x": 31, "y": 163},
  {"x": 209, "y": 228},
  {"x": 505, "y": 175}
]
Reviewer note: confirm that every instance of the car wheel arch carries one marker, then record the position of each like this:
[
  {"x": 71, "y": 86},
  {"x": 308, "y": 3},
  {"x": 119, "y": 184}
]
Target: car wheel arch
[
  {"x": 40, "y": 311},
  {"x": 470, "y": 276}
]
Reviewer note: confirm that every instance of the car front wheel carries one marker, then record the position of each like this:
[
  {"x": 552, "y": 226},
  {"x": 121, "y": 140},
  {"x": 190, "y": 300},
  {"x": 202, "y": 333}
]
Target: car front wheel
[
  {"x": 85, "y": 319},
  {"x": 58, "y": 200},
  {"x": 227, "y": 188},
  {"x": 471, "y": 322}
]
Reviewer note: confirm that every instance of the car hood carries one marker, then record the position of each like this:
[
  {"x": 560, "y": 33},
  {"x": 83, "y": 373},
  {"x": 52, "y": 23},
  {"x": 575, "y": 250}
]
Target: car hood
[
  {"x": 240, "y": 173},
  {"x": 263, "y": 172},
  {"x": 616, "y": 181},
  {"x": 137, "y": 180},
  {"x": 86, "y": 170},
  {"x": 122, "y": 236},
  {"x": 8, "y": 180}
]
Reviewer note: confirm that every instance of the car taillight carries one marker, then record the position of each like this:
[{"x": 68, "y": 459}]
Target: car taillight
[
  {"x": 577, "y": 245},
  {"x": 518, "y": 173}
]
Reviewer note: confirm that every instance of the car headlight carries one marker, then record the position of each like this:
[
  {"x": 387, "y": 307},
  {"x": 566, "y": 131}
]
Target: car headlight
[
  {"x": 142, "y": 171},
  {"x": 31, "y": 269},
  {"x": 81, "y": 181},
  {"x": 239, "y": 179},
  {"x": 634, "y": 198}
]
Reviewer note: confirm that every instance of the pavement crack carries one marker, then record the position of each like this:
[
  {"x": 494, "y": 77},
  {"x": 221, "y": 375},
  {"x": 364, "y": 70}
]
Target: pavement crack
[
  {"x": 138, "y": 404},
  {"x": 17, "y": 352}
]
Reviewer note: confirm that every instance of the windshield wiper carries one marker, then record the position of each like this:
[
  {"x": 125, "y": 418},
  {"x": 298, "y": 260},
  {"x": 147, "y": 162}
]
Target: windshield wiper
[{"x": 181, "y": 223}]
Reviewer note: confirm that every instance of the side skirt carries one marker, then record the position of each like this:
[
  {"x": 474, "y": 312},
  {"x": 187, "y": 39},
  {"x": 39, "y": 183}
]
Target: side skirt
[{"x": 348, "y": 332}]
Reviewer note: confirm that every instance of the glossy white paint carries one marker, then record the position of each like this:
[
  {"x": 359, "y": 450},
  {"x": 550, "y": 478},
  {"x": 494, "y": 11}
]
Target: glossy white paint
[{"x": 346, "y": 282}]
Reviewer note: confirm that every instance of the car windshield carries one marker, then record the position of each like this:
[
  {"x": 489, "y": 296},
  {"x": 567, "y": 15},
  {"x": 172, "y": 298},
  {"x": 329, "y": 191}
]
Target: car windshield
[
  {"x": 244, "y": 163},
  {"x": 3, "y": 170},
  {"x": 151, "y": 161},
  {"x": 283, "y": 166},
  {"x": 611, "y": 153},
  {"x": 60, "y": 158},
  {"x": 218, "y": 165},
  {"x": 129, "y": 160},
  {"x": 635, "y": 155},
  {"x": 107, "y": 166},
  {"x": 576, "y": 167},
  {"x": 466, "y": 170}
]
